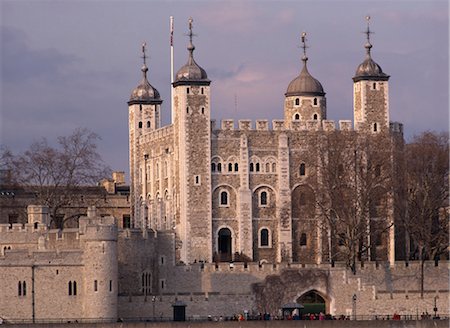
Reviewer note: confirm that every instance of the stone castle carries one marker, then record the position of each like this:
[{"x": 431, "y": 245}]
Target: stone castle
[{"x": 223, "y": 220}]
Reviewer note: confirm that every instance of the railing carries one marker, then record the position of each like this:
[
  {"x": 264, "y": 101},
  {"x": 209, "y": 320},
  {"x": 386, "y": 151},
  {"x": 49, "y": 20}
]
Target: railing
[{"x": 238, "y": 317}]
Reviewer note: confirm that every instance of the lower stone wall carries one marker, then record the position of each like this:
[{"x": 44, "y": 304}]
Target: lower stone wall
[{"x": 256, "y": 324}]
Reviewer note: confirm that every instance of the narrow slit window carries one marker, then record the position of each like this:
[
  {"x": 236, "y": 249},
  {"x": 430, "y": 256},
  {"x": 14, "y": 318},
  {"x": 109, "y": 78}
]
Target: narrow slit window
[
  {"x": 315, "y": 101},
  {"x": 297, "y": 101},
  {"x": 140, "y": 125},
  {"x": 264, "y": 237},
  {"x": 302, "y": 169},
  {"x": 230, "y": 167},
  {"x": 236, "y": 167}
]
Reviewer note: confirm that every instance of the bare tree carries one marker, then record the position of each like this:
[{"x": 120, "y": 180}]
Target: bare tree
[
  {"x": 427, "y": 220},
  {"x": 55, "y": 174},
  {"x": 355, "y": 174}
]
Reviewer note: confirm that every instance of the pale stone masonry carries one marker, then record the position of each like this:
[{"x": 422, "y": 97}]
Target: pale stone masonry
[
  {"x": 223, "y": 217},
  {"x": 244, "y": 190}
]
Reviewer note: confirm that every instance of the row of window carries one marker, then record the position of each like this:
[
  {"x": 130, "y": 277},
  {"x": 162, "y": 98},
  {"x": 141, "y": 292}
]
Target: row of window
[
  {"x": 315, "y": 117},
  {"x": 148, "y": 125},
  {"x": 202, "y": 90},
  {"x": 315, "y": 102},
  {"x": 146, "y": 283},
  {"x": 265, "y": 238},
  {"x": 224, "y": 198},
  {"x": 203, "y": 110},
  {"x": 254, "y": 167}
]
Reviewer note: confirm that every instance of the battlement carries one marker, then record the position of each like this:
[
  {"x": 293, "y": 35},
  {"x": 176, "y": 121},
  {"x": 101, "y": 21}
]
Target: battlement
[
  {"x": 156, "y": 134},
  {"x": 25, "y": 257},
  {"x": 279, "y": 125},
  {"x": 396, "y": 127}
]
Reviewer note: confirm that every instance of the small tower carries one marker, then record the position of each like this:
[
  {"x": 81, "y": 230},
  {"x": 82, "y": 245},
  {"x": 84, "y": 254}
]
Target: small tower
[
  {"x": 193, "y": 145},
  {"x": 144, "y": 109},
  {"x": 305, "y": 99},
  {"x": 370, "y": 93}
]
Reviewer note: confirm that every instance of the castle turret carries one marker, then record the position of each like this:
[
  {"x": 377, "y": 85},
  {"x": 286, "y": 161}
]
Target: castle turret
[
  {"x": 370, "y": 93},
  {"x": 99, "y": 237},
  {"x": 193, "y": 146},
  {"x": 305, "y": 99},
  {"x": 144, "y": 109}
]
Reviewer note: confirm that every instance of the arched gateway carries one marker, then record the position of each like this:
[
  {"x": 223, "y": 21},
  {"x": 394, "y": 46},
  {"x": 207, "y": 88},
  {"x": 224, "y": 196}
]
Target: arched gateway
[
  {"x": 224, "y": 244},
  {"x": 313, "y": 302}
]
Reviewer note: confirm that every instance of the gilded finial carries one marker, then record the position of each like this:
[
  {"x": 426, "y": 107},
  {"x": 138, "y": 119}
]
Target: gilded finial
[
  {"x": 144, "y": 68},
  {"x": 368, "y": 32},
  {"x": 191, "y": 46},
  {"x": 304, "y": 58}
]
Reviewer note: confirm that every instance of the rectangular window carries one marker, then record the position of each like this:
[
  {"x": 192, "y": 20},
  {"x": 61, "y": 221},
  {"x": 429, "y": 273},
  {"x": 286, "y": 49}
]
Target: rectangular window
[
  {"x": 163, "y": 284},
  {"x": 126, "y": 222},
  {"x": 197, "y": 180},
  {"x": 95, "y": 286},
  {"x": 162, "y": 260}
]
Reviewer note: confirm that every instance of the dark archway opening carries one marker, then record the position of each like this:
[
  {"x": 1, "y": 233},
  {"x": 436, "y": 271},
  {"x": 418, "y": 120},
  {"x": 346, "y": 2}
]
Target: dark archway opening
[
  {"x": 312, "y": 302},
  {"x": 224, "y": 244}
]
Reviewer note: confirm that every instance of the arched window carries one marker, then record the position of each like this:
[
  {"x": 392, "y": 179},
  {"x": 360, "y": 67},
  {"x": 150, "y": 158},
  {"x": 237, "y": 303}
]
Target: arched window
[
  {"x": 263, "y": 198},
  {"x": 297, "y": 116},
  {"x": 315, "y": 117},
  {"x": 297, "y": 102},
  {"x": 203, "y": 110},
  {"x": 74, "y": 288},
  {"x": 224, "y": 198},
  {"x": 236, "y": 167},
  {"x": 303, "y": 239},
  {"x": 267, "y": 167},
  {"x": 251, "y": 167},
  {"x": 140, "y": 125},
  {"x": 219, "y": 167},
  {"x": 213, "y": 167},
  {"x": 230, "y": 167},
  {"x": 148, "y": 124},
  {"x": 36, "y": 225},
  {"x": 274, "y": 167},
  {"x": 257, "y": 167},
  {"x": 264, "y": 237},
  {"x": 302, "y": 169},
  {"x": 315, "y": 101}
]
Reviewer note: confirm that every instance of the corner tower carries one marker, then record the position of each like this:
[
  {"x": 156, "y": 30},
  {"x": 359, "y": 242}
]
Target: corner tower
[
  {"x": 193, "y": 146},
  {"x": 144, "y": 109},
  {"x": 370, "y": 93},
  {"x": 305, "y": 99}
]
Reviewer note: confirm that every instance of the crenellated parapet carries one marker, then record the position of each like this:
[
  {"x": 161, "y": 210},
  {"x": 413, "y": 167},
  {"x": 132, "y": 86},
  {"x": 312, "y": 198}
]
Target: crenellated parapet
[{"x": 279, "y": 125}]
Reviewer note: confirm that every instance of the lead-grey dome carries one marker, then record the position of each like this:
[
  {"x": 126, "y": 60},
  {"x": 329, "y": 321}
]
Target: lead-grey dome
[
  {"x": 304, "y": 85},
  {"x": 191, "y": 72},
  {"x": 145, "y": 92},
  {"x": 369, "y": 70}
]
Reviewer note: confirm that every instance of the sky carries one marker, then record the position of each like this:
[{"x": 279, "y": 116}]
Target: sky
[{"x": 70, "y": 64}]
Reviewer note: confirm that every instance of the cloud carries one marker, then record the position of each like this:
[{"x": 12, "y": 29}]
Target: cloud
[{"x": 20, "y": 62}]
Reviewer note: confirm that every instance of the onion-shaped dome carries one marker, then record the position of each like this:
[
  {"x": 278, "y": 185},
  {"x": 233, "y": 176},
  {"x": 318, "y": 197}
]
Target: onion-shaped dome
[
  {"x": 368, "y": 69},
  {"x": 305, "y": 85},
  {"x": 144, "y": 93},
  {"x": 191, "y": 73}
]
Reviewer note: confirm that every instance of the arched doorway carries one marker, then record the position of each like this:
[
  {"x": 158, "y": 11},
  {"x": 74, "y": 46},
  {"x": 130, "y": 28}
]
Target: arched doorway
[
  {"x": 224, "y": 244},
  {"x": 312, "y": 302}
]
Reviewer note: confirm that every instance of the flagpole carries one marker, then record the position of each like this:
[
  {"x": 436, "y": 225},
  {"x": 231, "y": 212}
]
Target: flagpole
[{"x": 172, "y": 115}]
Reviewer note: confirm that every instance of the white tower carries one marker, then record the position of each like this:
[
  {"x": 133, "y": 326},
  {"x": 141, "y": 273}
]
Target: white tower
[
  {"x": 193, "y": 146},
  {"x": 144, "y": 109}
]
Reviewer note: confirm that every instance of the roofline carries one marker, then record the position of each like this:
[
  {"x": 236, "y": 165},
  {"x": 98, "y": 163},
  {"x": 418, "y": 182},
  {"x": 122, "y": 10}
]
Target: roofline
[
  {"x": 145, "y": 102},
  {"x": 191, "y": 82},
  {"x": 293, "y": 94},
  {"x": 370, "y": 78}
]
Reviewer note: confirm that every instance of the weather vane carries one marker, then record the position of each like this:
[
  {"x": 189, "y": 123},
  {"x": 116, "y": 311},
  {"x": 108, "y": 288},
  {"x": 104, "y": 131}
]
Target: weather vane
[
  {"x": 144, "y": 56},
  {"x": 304, "y": 58},
  {"x": 368, "y": 32}
]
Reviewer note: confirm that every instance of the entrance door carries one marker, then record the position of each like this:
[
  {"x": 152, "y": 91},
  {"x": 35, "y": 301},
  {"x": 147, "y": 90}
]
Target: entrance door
[
  {"x": 224, "y": 243},
  {"x": 312, "y": 302}
]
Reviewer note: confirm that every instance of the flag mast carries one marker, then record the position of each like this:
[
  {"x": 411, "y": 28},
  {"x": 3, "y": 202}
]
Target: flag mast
[{"x": 172, "y": 115}]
